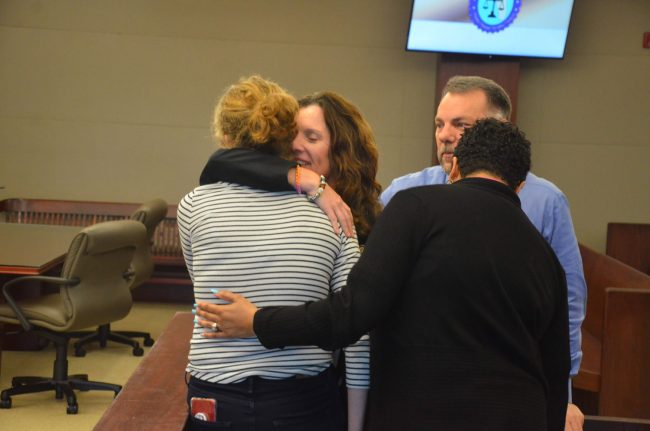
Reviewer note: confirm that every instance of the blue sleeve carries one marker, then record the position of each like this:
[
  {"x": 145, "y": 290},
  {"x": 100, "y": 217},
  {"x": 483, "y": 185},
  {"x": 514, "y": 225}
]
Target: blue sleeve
[
  {"x": 562, "y": 239},
  {"x": 426, "y": 177},
  {"x": 387, "y": 194},
  {"x": 399, "y": 184}
]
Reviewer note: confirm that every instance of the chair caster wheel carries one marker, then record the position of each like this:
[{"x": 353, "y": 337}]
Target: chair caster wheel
[
  {"x": 138, "y": 351},
  {"x": 148, "y": 342},
  {"x": 79, "y": 352},
  {"x": 72, "y": 409},
  {"x": 5, "y": 403}
]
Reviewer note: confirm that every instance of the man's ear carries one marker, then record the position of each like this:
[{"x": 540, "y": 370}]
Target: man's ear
[
  {"x": 454, "y": 174},
  {"x": 520, "y": 187}
]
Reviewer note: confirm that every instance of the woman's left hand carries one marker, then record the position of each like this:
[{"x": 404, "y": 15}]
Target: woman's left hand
[
  {"x": 234, "y": 320},
  {"x": 337, "y": 211}
]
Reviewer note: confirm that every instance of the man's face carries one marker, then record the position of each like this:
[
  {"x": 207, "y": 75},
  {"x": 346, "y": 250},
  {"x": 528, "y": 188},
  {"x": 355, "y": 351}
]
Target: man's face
[{"x": 456, "y": 112}]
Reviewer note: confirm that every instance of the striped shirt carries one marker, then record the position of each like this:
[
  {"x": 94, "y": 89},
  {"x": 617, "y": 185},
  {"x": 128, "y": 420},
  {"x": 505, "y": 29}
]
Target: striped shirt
[{"x": 274, "y": 248}]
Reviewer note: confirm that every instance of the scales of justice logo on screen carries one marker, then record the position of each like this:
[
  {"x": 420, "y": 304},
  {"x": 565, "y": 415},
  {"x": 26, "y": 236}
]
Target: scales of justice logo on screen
[{"x": 492, "y": 16}]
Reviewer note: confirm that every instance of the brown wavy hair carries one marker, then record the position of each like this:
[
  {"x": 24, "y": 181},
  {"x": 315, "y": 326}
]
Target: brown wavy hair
[
  {"x": 353, "y": 158},
  {"x": 256, "y": 113}
]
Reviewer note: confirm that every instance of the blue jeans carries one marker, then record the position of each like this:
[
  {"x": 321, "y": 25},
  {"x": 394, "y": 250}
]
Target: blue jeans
[{"x": 256, "y": 404}]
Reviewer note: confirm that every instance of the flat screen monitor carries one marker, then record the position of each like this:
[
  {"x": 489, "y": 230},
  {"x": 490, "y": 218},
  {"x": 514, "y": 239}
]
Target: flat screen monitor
[{"x": 520, "y": 28}]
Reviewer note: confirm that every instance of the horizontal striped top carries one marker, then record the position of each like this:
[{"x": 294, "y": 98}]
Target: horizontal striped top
[{"x": 274, "y": 248}]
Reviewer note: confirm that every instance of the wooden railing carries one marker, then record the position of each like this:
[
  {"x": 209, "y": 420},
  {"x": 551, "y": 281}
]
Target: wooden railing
[
  {"x": 615, "y": 339},
  {"x": 630, "y": 243},
  {"x": 166, "y": 244},
  {"x": 154, "y": 397},
  {"x": 170, "y": 267}
]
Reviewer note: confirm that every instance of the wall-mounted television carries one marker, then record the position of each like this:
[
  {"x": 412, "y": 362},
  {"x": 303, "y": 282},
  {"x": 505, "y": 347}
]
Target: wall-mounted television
[{"x": 520, "y": 28}]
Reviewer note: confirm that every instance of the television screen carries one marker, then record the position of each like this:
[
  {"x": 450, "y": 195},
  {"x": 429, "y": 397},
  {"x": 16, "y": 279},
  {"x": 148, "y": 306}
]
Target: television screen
[{"x": 522, "y": 28}]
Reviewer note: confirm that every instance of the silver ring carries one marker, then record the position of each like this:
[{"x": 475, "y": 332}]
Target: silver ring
[{"x": 215, "y": 327}]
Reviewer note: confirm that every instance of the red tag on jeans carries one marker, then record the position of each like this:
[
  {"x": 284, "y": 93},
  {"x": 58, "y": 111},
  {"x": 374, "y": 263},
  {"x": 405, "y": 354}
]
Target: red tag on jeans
[{"x": 204, "y": 409}]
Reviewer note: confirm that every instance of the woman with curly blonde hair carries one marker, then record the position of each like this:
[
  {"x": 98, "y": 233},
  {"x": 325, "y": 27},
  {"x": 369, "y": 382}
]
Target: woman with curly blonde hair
[
  {"x": 256, "y": 114},
  {"x": 277, "y": 248}
]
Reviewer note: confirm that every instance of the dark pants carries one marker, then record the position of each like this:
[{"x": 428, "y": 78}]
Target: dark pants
[{"x": 256, "y": 404}]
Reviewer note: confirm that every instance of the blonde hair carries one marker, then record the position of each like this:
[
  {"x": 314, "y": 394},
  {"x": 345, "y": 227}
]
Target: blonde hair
[{"x": 258, "y": 114}]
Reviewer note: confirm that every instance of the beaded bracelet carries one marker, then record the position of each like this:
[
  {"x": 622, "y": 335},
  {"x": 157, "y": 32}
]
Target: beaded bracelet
[
  {"x": 319, "y": 191},
  {"x": 298, "y": 180}
]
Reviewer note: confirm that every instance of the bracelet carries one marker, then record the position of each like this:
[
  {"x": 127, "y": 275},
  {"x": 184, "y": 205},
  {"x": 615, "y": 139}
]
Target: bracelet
[
  {"x": 298, "y": 180},
  {"x": 319, "y": 191}
]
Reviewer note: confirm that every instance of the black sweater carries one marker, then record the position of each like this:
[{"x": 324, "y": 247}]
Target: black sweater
[{"x": 466, "y": 305}]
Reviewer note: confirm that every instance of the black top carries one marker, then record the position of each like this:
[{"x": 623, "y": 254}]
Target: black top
[
  {"x": 467, "y": 304},
  {"x": 248, "y": 167}
]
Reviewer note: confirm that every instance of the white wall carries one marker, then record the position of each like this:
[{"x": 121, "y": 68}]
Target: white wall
[{"x": 111, "y": 100}]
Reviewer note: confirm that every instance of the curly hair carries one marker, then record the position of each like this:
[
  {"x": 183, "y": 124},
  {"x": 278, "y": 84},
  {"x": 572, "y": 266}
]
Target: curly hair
[
  {"x": 258, "y": 114},
  {"x": 497, "y": 147},
  {"x": 353, "y": 158}
]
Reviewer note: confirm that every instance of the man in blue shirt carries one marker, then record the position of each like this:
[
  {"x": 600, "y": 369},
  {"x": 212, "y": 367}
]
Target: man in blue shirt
[{"x": 465, "y": 100}]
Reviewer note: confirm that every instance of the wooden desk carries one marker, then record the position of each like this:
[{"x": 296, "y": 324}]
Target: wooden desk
[
  {"x": 170, "y": 281},
  {"x": 154, "y": 397},
  {"x": 33, "y": 249}
]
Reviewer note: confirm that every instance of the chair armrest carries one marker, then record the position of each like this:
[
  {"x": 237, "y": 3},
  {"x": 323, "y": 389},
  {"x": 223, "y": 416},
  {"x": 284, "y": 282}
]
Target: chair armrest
[
  {"x": 45, "y": 279},
  {"x": 625, "y": 375}
]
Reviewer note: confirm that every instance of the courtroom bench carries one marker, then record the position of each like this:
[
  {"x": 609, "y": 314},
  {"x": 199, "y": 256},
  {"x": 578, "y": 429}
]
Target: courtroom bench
[
  {"x": 603, "y": 423},
  {"x": 170, "y": 281},
  {"x": 630, "y": 243},
  {"x": 615, "y": 368},
  {"x": 154, "y": 397}
]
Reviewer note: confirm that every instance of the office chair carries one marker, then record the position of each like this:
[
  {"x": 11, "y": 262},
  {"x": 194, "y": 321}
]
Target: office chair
[
  {"x": 150, "y": 214},
  {"x": 93, "y": 289}
]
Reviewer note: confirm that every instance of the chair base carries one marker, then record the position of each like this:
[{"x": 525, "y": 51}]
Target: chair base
[
  {"x": 30, "y": 385},
  {"x": 60, "y": 382},
  {"x": 103, "y": 334}
]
